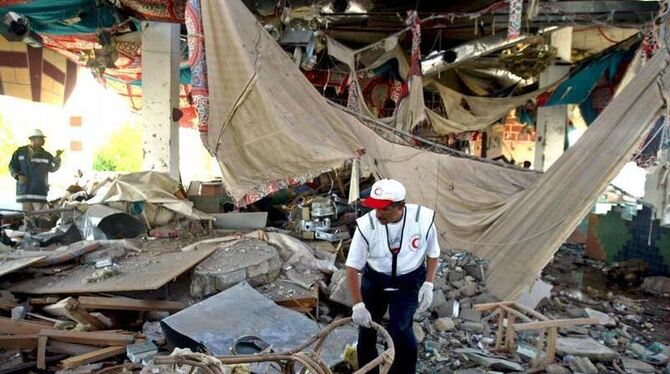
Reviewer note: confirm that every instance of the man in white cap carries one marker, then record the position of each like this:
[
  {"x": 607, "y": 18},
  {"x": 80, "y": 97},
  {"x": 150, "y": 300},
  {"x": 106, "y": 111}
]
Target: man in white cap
[
  {"x": 395, "y": 248},
  {"x": 30, "y": 166}
]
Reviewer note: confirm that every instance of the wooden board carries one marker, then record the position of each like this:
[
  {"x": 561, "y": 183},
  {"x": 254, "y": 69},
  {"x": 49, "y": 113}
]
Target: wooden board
[
  {"x": 101, "y": 338},
  {"x": 24, "y": 341},
  {"x": 146, "y": 272},
  {"x": 11, "y": 266},
  {"x": 71, "y": 349},
  {"x": 10, "y": 326},
  {"x": 125, "y": 303},
  {"x": 94, "y": 356},
  {"x": 73, "y": 310},
  {"x": 42, "y": 352},
  {"x": 556, "y": 323}
]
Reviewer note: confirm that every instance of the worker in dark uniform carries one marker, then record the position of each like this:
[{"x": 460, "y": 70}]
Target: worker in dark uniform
[
  {"x": 30, "y": 166},
  {"x": 395, "y": 248}
]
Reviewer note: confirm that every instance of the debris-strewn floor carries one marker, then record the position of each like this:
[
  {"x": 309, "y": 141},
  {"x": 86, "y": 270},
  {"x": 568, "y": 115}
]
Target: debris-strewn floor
[{"x": 632, "y": 334}]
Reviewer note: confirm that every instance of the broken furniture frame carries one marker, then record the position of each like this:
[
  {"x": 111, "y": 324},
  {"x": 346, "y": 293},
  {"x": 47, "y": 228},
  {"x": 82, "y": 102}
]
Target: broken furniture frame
[
  {"x": 530, "y": 320},
  {"x": 310, "y": 361}
]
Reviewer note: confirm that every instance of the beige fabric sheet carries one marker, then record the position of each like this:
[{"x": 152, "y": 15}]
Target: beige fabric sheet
[
  {"x": 267, "y": 121},
  {"x": 526, "y": 236},
  {"x": 282, "y": 127},
  {"x": 151, "y": 187}
]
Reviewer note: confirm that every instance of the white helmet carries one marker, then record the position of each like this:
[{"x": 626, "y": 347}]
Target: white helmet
[{"x": 36, "y": 133}]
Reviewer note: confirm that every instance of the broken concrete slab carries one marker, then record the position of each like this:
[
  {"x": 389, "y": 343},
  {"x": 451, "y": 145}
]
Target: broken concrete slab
[
  {"x": 633, "y": 366},
  {"x": 584, "y": 347},
  {"x": 250, "y": 260},
  {"x": 603, "y": 318},
  {"x": 218, "y": 321},
  {"x": 532, "y": 295}
]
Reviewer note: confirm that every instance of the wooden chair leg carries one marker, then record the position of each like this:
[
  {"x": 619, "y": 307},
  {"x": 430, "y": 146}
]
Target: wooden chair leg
[
  {"x": 540, "y": 346},
  {"x": 509, "y": 338},
  {"x": 499, "y": 334},
  {"x": 551, "y": 345}
]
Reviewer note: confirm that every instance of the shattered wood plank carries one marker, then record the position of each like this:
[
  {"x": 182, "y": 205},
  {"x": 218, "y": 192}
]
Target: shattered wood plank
[
  {"x": 94, "y": 356},
  {"x": 137, "y": 274},
  {"x": 70, "y": 349},
  {"x": 101, "y": 338},
  {"x": 556, "y": 322},
  {"x": 73, "y": 310},
  {"x": 42, "y": 352},
  {"x": 123, "y": 303},
  {"x": 10, "y": 326},
  {"x": 11, "y": 266},
  {"x": 24, "y": 341},
  {"x": 43, "y": 300}
]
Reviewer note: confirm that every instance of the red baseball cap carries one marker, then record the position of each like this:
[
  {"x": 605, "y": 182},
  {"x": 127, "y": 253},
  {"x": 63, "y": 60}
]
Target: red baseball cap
[{"x": 384, "y": 193}]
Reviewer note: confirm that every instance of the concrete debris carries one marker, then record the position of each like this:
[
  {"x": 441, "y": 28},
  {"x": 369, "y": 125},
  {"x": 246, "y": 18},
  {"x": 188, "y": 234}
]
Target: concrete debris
[
  {"x": 250, "y": 260},
  {"x": 585, "y": 347},
  {"x": 633, "y": 366},
  {"x": 583, "y": 365},
  {"x": 603, "y": 318},
  {"x": 101, "y": 274},
  {"x": 656, "y": 285},
  {"x": 418, "y": 332},
  {"x": 339, "y": 289},
  {"x": 444, "y": 324},
  {"x": 557, "y": 369}
]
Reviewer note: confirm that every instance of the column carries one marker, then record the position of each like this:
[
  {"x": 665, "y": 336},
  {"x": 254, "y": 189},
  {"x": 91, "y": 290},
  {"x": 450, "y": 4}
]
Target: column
[
  {"x": 160, "y": 91},
  {"x": 552, "y": 121}
]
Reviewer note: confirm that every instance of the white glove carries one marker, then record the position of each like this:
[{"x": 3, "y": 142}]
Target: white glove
[
  {"x": 425, "y": 296},
  {"x": 361, "y": 316}
]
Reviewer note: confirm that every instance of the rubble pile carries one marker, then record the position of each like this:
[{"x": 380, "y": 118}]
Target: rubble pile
[
  {"x": 72, "y": 304},
  {"x": 455, "y": 338}
]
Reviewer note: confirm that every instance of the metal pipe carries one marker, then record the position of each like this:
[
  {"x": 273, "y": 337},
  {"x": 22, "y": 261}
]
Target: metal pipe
[{"x": 441, "y": 61}]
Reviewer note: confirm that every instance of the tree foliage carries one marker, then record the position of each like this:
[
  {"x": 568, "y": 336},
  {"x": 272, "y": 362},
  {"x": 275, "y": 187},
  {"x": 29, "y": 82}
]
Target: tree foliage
[{"x": 122, "y": 152}]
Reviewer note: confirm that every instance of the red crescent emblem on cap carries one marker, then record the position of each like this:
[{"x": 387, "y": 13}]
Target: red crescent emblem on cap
[{"x": 415, "y": 242}]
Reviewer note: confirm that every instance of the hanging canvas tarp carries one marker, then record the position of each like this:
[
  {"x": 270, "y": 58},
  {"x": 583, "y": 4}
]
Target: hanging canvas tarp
[
  {"x": 524, "y": 239},
  {"x": 268, "y": 123}
]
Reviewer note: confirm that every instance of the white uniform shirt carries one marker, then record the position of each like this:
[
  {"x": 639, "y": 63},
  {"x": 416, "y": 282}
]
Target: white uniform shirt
[{"x": 380, "y": 259}]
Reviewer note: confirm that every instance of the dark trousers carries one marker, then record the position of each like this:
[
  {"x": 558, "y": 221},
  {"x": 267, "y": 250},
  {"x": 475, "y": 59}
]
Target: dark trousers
[{"x": 401, "y": 305}]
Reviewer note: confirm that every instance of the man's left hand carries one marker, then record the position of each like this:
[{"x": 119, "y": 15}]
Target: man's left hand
[
  {"x": 59, "y": 152},
  {"x": 425, "y": 296}
]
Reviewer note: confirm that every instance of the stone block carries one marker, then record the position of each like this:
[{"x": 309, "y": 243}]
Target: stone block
[
  {"x": 418, "y": 332},
  {"x": 444, "y": 324},
  {"x": 471, "y": 315},
  {"x": 339, "y": 288},
  {"x": 438, "y": 300},
  {"x": 451, "y": 309}
]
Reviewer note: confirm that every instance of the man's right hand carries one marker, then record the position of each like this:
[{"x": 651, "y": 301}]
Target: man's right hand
[
  {"x": 361, "y": 316},
  {"x": 23, "y": 179}
]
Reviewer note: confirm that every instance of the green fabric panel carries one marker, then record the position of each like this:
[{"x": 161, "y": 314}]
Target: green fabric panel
[
  {"x": 613, "y": 233},
  {"x": 65, "y": 17}
]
